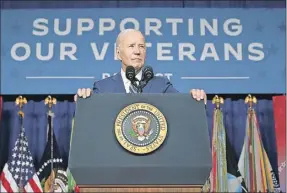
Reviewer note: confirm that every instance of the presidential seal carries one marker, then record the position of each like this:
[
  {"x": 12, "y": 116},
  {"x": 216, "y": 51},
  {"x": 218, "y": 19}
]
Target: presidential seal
[{"x": 140, "y": 128}]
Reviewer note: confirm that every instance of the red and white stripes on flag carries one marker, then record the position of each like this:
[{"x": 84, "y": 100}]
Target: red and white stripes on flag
[
  {"x": 19, "y": 172},
  {"x": 9, "y": 184}
]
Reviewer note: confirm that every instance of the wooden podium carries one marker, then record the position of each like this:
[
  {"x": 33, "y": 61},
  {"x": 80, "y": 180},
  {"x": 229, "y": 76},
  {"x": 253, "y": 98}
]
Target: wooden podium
[
  {"x": 100, "y": 163},
  {"x": 136, "y": 188}
]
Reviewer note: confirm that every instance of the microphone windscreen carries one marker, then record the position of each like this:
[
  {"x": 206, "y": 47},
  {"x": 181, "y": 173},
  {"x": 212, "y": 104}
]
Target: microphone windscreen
[
  {"x": 148, "y": 73},
  {"x": 130, "y": 73}
]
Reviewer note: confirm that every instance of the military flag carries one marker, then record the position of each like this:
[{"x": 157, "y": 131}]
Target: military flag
[
  {"x": 254, "y": 163},
  {"x": 52, "y": 171},
  {"x": 224, "y": 176}
]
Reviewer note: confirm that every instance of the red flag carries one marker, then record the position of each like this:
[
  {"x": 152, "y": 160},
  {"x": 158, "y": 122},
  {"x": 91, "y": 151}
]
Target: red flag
[
  {"x": 77, "y": 189},
  {"x": 279, "y": 104}
]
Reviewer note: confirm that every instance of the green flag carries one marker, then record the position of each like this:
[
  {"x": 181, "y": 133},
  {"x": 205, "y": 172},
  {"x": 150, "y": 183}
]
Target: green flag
[{"x": 71, "y": 180}]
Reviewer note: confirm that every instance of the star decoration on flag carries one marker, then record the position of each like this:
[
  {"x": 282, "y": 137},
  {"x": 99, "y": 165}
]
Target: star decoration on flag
[
  {"x": 21, "y": 166},
  {"x": 19, "y": 172}
]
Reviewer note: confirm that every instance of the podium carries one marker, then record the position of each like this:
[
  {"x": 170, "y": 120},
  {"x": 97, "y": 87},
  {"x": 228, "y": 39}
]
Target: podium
[{"x": 140, "y": 143}]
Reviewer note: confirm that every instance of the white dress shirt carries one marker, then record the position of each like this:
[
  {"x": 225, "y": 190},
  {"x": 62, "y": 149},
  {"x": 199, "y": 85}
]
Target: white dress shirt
[{"x": 127, "y": 82}]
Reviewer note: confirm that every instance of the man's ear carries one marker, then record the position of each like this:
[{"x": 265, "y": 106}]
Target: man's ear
[{"x": 118, "y": 53}]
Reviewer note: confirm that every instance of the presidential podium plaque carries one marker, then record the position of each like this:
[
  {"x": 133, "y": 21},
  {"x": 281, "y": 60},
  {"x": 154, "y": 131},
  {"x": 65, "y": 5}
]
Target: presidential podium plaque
[{"x": 140, "y": 143}]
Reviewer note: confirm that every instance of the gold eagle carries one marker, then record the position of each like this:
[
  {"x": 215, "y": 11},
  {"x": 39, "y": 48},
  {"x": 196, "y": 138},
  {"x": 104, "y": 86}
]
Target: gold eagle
[{"x": 146, "y": 127}]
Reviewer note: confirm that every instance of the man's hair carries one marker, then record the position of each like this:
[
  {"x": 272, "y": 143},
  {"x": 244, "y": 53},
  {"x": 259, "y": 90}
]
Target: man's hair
[{"x": 122, "y": 33}]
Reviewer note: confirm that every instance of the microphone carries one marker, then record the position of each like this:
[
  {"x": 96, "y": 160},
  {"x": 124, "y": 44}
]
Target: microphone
[
  {"x": 146, "y": 76},
  {"x": 147, "y": 73},
  {"x": 131, "y": 76},
  {"x": 130, "y": 73}
]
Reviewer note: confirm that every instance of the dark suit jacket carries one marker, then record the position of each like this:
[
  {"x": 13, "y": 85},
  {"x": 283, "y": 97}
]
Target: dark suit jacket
[{"x": 115, "y": 84}]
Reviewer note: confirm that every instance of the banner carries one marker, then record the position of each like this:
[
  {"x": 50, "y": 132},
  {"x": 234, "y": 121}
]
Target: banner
[
  {"x": 279, "y": 103},
  {"x": 57, "y": 51}
]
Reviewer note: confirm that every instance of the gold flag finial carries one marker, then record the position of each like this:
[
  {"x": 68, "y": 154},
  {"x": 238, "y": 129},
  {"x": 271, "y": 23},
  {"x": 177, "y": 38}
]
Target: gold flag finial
[
  {"x": 250, "y": 100},
  {"x": 50, "y": 101},
  {"x": 217, "y": 101},
  {"x": 20, "y": 101}
]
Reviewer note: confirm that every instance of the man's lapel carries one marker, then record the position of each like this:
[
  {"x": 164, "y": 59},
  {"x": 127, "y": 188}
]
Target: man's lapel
[
  {"x": 147, "y": 88},
  {"x": 119, "y": 86}
]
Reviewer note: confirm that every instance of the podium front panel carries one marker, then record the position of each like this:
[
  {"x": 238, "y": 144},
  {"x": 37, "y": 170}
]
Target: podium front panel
[{"x": 96, "y": 157}]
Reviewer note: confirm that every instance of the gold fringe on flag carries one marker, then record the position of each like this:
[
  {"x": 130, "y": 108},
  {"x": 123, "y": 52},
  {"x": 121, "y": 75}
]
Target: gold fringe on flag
[{"x": 217, "y": 181}]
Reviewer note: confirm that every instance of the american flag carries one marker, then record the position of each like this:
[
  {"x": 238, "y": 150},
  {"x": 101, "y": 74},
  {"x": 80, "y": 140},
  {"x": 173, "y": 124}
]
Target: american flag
[{"x": 19, "y": 172}]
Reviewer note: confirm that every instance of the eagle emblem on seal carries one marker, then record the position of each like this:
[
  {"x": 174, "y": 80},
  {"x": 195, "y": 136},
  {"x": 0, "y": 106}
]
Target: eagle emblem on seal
[{"x": 141, "y": 127}]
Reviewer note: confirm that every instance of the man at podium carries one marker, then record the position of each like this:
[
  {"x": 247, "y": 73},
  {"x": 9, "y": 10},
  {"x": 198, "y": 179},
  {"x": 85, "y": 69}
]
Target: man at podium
[
  {"x": 136, "y": 143},
  {"x": 134, "y": 77}
]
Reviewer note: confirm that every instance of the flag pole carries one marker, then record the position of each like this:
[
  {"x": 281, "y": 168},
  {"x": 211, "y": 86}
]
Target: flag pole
[
  {"x": 50, "y": 102},
  {"x": 20, "y": 101},
  {"x": 252, "y": 100},
  {"x": 219, "y": 173},
  {"x": 250, "y": 132}
]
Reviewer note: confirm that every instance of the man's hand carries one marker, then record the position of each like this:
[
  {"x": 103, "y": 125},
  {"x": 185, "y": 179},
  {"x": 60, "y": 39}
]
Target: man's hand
[
  {"x": 83, "y": 92},
  {"x": 198, "y": 95}
]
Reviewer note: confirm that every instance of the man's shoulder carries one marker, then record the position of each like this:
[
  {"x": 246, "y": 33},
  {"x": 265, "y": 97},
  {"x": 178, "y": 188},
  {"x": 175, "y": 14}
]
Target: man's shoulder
[
  {"x": 160, "y": 79},
  {"x": 162, "y": 84},
  {"x": 106, "y": 80},
  {"x": 105, "y": 85}
]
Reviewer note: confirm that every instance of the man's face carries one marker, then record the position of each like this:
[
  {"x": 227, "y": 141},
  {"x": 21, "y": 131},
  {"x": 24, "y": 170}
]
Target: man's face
[{"x": 132, "y": 50}]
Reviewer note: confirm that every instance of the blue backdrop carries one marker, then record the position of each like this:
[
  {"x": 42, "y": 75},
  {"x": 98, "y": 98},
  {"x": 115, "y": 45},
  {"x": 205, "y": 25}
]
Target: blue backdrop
[{"x": 62, "y": 50}]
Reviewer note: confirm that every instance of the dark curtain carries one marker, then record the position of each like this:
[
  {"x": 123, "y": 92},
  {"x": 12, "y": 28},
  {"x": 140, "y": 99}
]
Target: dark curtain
[
  {"x": 35, "y": 121},
  {"x": 35, "y": 124}
]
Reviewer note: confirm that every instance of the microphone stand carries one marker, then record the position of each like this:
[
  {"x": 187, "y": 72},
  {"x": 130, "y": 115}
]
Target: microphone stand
[{"x": 140, "y": 87}]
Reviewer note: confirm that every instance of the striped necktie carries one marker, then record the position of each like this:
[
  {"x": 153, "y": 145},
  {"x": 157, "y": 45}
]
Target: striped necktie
[{"x": 132, "y": 89}]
